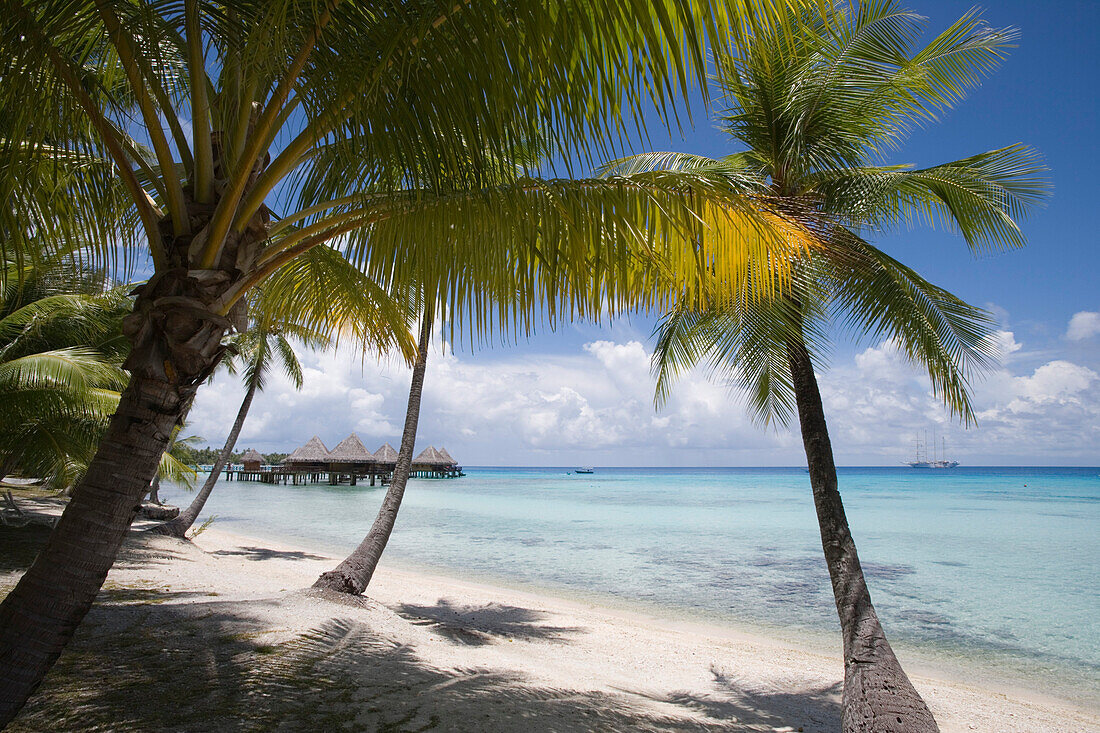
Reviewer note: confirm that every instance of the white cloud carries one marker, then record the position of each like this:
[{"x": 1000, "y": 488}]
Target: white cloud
[
  {"x": 1005, "y": 344},
  {"x": 1083, "y": 325},
  {"x": 1056, "y": 381},
  {"x": 595, "y": 406}
]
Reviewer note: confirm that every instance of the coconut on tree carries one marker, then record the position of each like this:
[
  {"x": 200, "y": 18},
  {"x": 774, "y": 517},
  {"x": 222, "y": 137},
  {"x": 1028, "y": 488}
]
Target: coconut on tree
[{"x": 817, "y": 105}]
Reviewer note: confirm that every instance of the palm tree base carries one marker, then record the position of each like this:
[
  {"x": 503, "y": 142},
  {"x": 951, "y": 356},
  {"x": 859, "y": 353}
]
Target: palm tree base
[
  {"x": 172, "y": 528},
  {"x": 341, "y": 582},
  {"x": 159, "y": 512},
  {"x": 878, "y": 696}
]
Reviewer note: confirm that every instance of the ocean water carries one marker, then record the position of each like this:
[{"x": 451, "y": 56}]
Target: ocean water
[{"x": 995, "y": 570}]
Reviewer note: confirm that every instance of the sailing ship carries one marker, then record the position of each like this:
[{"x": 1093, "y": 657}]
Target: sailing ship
[{"x": 937, "y": 461}]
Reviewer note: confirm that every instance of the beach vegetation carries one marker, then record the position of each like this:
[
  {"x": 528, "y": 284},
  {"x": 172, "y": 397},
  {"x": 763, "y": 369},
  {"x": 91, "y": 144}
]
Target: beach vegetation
[
  {"x": 819, "y": 107},
  {"x": 172, "y": 467},
  {"x": 280, "y": 127},
  {"x": 61, "y": 350}
]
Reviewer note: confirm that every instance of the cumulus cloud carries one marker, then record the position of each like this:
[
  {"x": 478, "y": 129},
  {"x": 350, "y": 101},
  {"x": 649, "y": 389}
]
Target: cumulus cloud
[
  {"x": 595, "y": 406},
  {"x": 1083, "y": 325}
]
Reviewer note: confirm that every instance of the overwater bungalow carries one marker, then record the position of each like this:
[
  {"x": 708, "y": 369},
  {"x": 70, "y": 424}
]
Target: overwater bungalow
[
  {"x": 386, "y": 455},
  {"x": 252, "y": 460},
  {"x": 349, "y": 462},
  {"x": 313, "y": 454},
  {"x": 431, "y": 463}
]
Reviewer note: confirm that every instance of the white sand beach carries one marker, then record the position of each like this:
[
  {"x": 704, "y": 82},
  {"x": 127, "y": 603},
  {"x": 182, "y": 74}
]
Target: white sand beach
[{"x": 221, "y": 634}]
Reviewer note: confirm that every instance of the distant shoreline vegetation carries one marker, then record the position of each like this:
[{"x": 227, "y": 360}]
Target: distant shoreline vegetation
[{"x": 206, "y": 456}]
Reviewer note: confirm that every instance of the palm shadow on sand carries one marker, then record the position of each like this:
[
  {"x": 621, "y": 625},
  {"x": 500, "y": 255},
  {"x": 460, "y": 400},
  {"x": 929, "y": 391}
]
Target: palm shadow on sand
[
  {"x": 265, "y": 553},
  {"x": 165, "y": 660},
  {"x": 487, "y": 624},
  {"x": 199, "y": 666}
]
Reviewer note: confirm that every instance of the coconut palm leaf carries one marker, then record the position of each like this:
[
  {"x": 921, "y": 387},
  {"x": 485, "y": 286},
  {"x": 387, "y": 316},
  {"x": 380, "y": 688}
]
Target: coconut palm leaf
[{"x": 982, "y": 197}]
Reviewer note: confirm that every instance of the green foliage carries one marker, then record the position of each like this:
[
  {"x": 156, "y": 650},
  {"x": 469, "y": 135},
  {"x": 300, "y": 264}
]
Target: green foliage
[
  {"x": 206, "y": 456},
  {"x": 402, "y": 135},
  {"x": 61, "y": 348},
  {"x": 817, "y": 102}
]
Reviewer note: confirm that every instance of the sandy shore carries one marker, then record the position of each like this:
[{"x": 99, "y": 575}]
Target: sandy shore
[{"x": 220, "y": 634}]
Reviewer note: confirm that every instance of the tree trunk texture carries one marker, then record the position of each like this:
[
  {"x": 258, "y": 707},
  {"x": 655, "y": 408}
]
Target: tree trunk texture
[
  {"x": 353, "y": 575},
  {"x": 178, "y": 527},
  {"x": 176, "y": 342},
  {"x": 878, "y": 696},
  {"x": 39, "y": 616}
]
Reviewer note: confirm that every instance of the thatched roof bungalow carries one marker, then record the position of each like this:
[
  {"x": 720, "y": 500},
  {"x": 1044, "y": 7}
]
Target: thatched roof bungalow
[
  {"x": 447, "y": 457},
  {"x": 350, "y": 453},
  {"x": 252, "y": 460},
  {"x": 385, "y": 455},
  {"x": 430, "y": 457},
  {"x": 312, "y": 454}
]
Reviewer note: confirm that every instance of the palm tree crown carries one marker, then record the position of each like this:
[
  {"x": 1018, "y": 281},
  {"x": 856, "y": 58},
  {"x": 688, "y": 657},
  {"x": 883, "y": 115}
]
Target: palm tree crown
[
  {"x": 61, "y": 348},
  {"x": 817, "y": 106}
]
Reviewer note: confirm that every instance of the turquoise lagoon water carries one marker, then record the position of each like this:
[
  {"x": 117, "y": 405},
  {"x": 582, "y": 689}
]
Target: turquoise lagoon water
[{"x": 990, "y": 568}]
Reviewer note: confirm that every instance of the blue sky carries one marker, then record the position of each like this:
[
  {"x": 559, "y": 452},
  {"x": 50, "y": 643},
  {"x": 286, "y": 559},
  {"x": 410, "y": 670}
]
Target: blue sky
[{"x": 583, "y": 394}]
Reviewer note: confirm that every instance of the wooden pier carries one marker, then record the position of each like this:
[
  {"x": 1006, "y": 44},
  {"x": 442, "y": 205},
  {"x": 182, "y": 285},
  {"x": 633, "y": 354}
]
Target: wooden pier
[
  {"x": 348, "y": 463},
  {"x": 283, "y": 475}
]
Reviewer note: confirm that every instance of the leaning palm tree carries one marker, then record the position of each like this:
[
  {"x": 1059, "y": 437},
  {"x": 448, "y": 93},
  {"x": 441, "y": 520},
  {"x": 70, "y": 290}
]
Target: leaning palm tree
[
  {"x": 297, "y": 304},
  {"x": 817, "y": 104},
  {"x": 354, "y": 573},
  {"x": 319, "y": 110}
]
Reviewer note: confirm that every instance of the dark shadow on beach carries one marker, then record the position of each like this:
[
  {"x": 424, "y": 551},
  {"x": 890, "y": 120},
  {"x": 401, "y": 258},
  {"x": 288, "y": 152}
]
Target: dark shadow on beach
[
  {"x": 264, "y": 553},
  {"x": 478, "y": 625},
  {"x": 816, "y": 709},
  {"x": 202, "y": 667},
  {"x": 152, "y": 658},
  {"x": 20, "y": 545}
]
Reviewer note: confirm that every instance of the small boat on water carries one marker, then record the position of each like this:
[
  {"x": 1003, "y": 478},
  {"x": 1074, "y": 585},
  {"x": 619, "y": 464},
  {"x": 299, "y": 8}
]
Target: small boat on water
[
  {"x": 586, "y": 469},
  {"x": 922, "y": 461}
]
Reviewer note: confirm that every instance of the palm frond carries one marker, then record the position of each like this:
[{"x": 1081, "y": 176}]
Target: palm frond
[
  {"x": 176, "y": 471},
  {"x": 983, "y": 196},
  {"x": 880, "y": 298}
]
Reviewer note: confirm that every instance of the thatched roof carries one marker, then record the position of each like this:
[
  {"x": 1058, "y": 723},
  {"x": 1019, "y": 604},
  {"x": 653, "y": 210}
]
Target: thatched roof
[
  {"x": 430, "y": 456},
  {"x": 252, "y": 456},
  {"x": 312, "y": 452},
  {"x": 386, "y": 454},
  {"x": 351, "y": 450},
  {"x": 447, "y": 457}
]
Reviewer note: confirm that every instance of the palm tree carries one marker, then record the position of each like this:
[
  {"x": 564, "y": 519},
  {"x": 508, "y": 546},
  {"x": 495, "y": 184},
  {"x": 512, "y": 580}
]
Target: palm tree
[
  {"x": 60, "y": 354},
  {"x": 358, "y": 95},
  {"x": 816, "y": 104},
  {"x": 296, "y": 303},
  {"x": 172, "y": 468},
  {"x": 265, "y": 345},
  {"x": 354, "y": 573}
]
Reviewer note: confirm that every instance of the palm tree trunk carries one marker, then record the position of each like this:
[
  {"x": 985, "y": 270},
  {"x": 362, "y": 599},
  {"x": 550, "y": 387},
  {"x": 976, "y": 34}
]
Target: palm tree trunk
[
  {"x": 878, "y": 696},
  {"x": 39, "y": 616},
  {"x": 178, "y": 527},
  {"x": 176, "y": 337},
  {"x": 154, "y": 489},
  {"x": 354, "y": 573}
]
